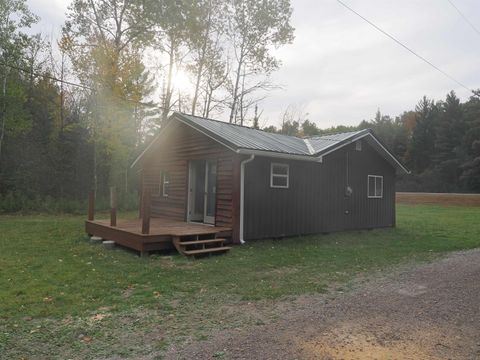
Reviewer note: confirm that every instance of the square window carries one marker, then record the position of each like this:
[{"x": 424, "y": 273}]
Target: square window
[
  {"x": 375, "y": 186},
  {"x": 279, "y": 176}
]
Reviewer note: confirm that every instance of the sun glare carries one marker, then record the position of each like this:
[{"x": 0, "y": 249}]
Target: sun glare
[{"x": 181, "y": 81}]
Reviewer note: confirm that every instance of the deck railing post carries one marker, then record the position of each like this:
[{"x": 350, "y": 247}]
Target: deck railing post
[
  {"x": 91, "y": 205},
  {"x": 146, "y": 211},
  {"x": 113, "y": 206}
]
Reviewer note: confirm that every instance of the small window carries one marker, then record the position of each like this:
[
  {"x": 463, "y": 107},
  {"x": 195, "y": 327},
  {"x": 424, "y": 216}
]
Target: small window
[
  {"x": 279, "y": 176},
  {"x": 358, "y": 145},
  {"x": 165, "y": 184},
  {"x": 375, "y": 186}
]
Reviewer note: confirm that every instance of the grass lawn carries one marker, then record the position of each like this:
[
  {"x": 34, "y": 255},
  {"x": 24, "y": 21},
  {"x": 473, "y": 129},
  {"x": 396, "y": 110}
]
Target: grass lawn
[{"x": 61, "y": 297}]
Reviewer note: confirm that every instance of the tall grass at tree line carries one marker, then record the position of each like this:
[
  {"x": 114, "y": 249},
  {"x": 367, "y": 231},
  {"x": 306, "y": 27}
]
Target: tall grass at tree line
[{"x": 18, "y": 202}]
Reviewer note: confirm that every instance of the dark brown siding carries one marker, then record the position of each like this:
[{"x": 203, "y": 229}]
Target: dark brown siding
[
  {"x": 172, "y": 154},
  {"x": 315, "y": 201}
]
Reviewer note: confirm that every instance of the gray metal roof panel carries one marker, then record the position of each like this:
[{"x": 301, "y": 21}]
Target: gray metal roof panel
[
  {"x": 321, "y": 143},
  {"x": 241, "y": 137},
  {"x": 248, "y": 138}
]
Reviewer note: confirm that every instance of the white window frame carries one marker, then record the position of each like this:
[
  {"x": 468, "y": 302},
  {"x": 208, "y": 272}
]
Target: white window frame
[
  {"x": 165, "y": 183},
  {"x": 375, "y": 196},
  {"x": 273, "y": 175}
]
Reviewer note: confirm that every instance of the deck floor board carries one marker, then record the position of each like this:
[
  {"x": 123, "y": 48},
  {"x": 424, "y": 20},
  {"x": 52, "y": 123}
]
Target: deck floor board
[{"x": 162, "y": 231}]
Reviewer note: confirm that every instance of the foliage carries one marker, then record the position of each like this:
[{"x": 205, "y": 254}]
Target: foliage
[
  {"x": 62, "y": 297},
  {"x": 438, "y": 141}
]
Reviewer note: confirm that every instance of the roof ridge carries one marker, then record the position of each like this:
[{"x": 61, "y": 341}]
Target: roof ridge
[
  {"x": 267, "y": 132},
  {"x": 310, "y": 148},
  {"x": 338, "y": 133}
]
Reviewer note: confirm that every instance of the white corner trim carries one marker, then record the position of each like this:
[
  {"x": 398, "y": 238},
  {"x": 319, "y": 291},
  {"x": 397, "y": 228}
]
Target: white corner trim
[{"x": 242, "y": 194}]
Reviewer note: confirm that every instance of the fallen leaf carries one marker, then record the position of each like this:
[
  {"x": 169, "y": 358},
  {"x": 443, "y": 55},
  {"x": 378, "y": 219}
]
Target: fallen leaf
[
  {"x": 86, "y": 339},
  {"x": 98, "y": 317}
]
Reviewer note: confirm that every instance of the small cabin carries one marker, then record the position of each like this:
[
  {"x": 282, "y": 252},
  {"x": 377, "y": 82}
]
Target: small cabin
[{"x": 254, "y": 184}]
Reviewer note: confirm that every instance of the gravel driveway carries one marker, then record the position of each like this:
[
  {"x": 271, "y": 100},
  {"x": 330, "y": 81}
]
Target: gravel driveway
[{"x": 428, "y": 311}]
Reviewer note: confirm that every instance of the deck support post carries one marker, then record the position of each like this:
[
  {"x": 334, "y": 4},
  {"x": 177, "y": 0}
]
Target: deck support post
[
  {"x": 113, "y": 206},
  {"x": 91, "y": 205},
  {"x": 145, "y": 211}
]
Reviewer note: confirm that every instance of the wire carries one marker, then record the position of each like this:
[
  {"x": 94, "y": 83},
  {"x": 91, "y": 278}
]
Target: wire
[
  {"x": 464, "y": 18},
  {"x": 37, "y": 74},
  {"x": 405, "y": 46}
]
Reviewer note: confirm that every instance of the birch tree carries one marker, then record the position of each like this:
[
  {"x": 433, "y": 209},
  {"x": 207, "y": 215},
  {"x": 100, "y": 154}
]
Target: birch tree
[
  {"x": 254, "y": 28},
  {"x": 15, "y": 17}
]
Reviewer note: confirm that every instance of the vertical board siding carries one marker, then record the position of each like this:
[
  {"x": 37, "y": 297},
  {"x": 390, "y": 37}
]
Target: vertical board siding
[
  {"x": 172, "y": 155},
  {"x": 315, "y": 201}
]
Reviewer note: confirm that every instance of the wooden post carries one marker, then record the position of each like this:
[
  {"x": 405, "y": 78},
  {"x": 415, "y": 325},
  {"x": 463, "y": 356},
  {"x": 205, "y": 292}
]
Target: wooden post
[
  {"x": 146, "y": 211},
  {"x": 113, "y": 206},
  {"x": 91, "y": 205},
  {"x": 140, "y": 195}
]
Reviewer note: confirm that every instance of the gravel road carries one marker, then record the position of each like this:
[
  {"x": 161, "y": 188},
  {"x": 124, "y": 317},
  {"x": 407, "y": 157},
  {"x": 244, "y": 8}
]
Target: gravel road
[{"x": 427, "y": 311}]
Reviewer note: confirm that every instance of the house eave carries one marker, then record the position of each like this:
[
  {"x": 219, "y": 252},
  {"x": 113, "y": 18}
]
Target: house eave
[{"x": 279, "y": 155}]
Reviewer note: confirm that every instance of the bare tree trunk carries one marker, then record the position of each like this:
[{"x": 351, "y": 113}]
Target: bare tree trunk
[
  {"x": 208, "y": 102},
  {"x": 62, "y": 94},
  {"x": 242, "y": 115},
  {"x": 168, "y": 93},
  {"x": 126, "y": 181},
  {"x": 233, "y": 108},
  {"x": 202, "y": 60},
  {"x": 4, "y": 108}
]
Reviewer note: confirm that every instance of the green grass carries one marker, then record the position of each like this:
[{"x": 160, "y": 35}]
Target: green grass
[{"x": 61, "y": 295}]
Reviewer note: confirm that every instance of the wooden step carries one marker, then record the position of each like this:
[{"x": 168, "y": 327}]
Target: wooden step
[
  {"x": 209, "y": 241},
  {"x": 206, "y": 251}
]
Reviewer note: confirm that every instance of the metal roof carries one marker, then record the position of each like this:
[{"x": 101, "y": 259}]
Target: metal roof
[
  {"x": 243, "y": 139},
  {"x": 321, "y": 143}
]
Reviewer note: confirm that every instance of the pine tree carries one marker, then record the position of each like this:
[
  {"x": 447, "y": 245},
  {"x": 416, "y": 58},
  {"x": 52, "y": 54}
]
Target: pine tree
[
  {"x": 449, "y": 152},
  {"x": 419, "y": 156}
]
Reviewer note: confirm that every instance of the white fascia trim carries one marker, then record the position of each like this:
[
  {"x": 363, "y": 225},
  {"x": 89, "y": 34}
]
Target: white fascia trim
[
  {"x": 242, "y": 194},
  {"x": 271, "y": 154},
  {"x": 391, "y": 155}
]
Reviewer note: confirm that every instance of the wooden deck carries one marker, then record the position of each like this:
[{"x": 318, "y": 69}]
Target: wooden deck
[{"x": 128, "y": 233}]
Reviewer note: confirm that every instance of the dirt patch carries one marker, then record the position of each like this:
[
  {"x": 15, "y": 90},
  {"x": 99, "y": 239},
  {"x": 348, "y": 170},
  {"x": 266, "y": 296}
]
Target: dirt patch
[
  {"x": 348, "y": 341},
  {"x": 443, "y": 199},
  {"x": 428, "y": 311}
]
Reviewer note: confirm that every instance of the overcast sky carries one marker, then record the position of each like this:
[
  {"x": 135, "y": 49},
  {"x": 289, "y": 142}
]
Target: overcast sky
[{"x": 340, "y": 69}]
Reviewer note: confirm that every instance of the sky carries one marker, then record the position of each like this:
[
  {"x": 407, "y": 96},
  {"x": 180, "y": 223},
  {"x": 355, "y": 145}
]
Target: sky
[{"x": 340, "y": 70}]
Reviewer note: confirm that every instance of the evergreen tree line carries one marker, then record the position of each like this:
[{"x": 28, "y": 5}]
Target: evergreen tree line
[
  {"x": 58, "y": 141},
  {"x": 439, "y": 141}
]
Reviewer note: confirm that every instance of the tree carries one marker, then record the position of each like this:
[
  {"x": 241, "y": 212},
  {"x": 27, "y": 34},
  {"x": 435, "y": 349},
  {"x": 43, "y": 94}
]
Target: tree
[
  {"x": 450, "y": 132},
  {"x": 470, "y": 175},
  {"x": 104, "y": 40},
  {"x": 254, "y": 27},
  {"x": 14, "y": 18},
  {"x": 421, "y": 147}
]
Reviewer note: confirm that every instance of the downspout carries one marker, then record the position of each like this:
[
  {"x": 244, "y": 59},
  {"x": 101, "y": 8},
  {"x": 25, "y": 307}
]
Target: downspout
[{"x": 242, "y": 193}]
